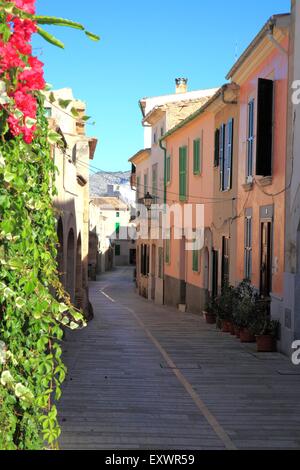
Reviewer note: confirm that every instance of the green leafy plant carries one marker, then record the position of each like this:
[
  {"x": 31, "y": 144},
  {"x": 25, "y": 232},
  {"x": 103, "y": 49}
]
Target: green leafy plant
[
  {"x": 34, "y": 308},
  {"x": 225, "y": 304}
]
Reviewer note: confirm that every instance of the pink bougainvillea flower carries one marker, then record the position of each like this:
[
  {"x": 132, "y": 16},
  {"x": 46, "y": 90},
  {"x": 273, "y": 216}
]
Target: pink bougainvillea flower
[{"x": 26, "y": 5}]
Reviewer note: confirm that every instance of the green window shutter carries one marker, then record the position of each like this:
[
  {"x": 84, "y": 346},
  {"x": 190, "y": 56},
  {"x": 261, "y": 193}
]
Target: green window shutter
[
  {"x": 217, "y": 148},
  {"x": 196, "y": 261},
  {"x": 118, "y": 250},
  {"x": 197, "y": 147},
  {"x": 117, "y": 228},
  {"x": 230, "y": 128},
  {"x": 168, "y": 252},
  {"x": 182, "y": 173},
  {"x": 168, "y": 169},
  {"x": 222, "y": 155}
]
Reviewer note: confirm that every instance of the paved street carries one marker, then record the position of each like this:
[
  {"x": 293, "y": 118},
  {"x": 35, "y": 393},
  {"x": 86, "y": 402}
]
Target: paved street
[{"x": 149, "y": 377}]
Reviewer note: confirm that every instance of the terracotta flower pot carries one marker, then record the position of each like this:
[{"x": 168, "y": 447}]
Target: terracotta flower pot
[
  {"x": 266, "y": 343},
  {"x": 210, "y": 318},
  {"x": 226, "y": 327},
  {"x": 237, "y": 331},
  {"x": 246, "y": 336}
]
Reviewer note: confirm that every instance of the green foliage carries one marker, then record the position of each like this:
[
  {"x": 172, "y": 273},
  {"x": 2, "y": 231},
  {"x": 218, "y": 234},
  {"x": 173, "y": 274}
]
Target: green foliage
[
  {"x": 33, "y": 305},
  {"x": 225, "y": 304}
]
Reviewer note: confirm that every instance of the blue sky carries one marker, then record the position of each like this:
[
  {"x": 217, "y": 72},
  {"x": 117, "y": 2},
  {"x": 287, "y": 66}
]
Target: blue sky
[{"x": 144, "y": 46}]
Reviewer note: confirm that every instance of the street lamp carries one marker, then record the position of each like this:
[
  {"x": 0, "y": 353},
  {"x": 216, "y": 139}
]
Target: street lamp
[{"x": 148, "y": 201}]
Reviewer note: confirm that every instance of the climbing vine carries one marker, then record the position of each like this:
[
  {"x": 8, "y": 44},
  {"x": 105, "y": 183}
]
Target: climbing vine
[{"x": 34, "y": 308}]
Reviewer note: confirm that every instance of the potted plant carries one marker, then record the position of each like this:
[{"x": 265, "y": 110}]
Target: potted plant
[
  {"x": 224, "y": 305},
  {"x": 265, "y": 329},
  {"x": 210, "y": 312},
  {"x": 245, "y": 314}
]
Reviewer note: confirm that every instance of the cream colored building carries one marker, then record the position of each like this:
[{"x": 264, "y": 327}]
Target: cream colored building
[
  {"x": 110, "y": 228},
  {"x": 72, "y": 200}
]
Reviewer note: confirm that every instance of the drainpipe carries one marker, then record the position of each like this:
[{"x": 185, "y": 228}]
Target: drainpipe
[
  {"x": 165, "y": 170},
  {"x": 165, "y": 201}
]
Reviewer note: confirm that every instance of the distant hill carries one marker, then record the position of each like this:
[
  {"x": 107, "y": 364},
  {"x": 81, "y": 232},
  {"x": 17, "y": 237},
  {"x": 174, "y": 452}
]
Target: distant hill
[{"x": 112, "y": 184}]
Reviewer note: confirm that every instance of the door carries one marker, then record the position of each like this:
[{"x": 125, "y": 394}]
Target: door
[
  {"x": 266, "y": 259},
  {"x": 153, "y": 272},
  {"x": 183, "y": 271},
  {"x": 225, "y": 261},
  {"x": 215, "y": 271}
]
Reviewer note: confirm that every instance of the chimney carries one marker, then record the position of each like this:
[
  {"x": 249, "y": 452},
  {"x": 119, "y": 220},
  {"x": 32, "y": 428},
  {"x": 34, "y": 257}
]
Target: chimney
[{"x": 181, "y": 85}]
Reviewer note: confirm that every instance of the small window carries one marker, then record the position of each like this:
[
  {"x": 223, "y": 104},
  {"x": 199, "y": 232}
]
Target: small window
[
  {"x": 197, "y": 157},
  {"x": 196, "y": 255},
  {"x": 117, "y": 214},
  {"x": 250, "y": 139},
  {"x": 160, "y": 263},
  {"x": 168, "y": 249},
  {"x": 48, "y": 112},
  {"x": 117, "y": 229},
  {"x": 74, "y": 154},
  {"x": 118, "y": 250},
  {"x": 183, "y": 173},
  {"x": 168, "y": 169},
  {"x": 162, "y": 131},
  {"x": 248, "y": 248},
  {"x": 155, "y": 137}
]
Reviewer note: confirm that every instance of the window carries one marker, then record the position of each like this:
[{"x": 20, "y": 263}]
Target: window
[
  {"x": 196, "y": 255},
  {"x": 222, "y": 153},
  {"x": 217, "y": 148},
  {"x": 118, "y": 250},
  {"x": 117, "y": 229},
  {"x": 160, "y": 263},
  {"x": 48, "y": 112},
  {"x": 168, "y": 169},
  {"x": 145, "y": 183},
  {"x": 155, "y": 137},
  {"x": 248, "y": 248},
  {"x": 162, "y": 131},
  {"x": 154, "y": 180},
  {"x": 197, "y": 157},
  {"x": 117, "y": 214},
  {"x": 264, "y": 144},
  {"x": 250, "y": 139},
  {"x": 182, "y": 173},
  {"x": 74, "y": 154},
  {"x": 225, "y": 261},
  {"x": 168, "y": 250},
  {"x": 144, "y": 260},
  {"x": 227, "y": 154}
]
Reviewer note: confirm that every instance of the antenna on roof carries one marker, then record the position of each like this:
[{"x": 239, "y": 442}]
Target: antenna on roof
[{"x": 236, "y": 52}]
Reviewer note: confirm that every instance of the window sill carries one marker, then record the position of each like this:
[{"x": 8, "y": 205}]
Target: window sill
[
  {"x": 265, "y": 181},
  {"x": 248, "y": 187}
]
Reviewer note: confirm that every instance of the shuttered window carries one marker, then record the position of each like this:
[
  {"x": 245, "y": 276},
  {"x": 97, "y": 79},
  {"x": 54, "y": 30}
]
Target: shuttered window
[
  {"x": 226, "y": 182},
  {"x": 118, "y": 250},
  {"x": 183, "y": 173},
  {"x": 168, "y": 251},
  {"x": 154, "y": 182},
  {"x": 264, "y": 145},
  {"x": 222, "y": 153},
  {"x": 168, "y": 169},
  {"x": 196, "y": 254},
  {"x": 250, "y": 139},
  {"x": 248, "y": 248},
  {"x": 197, "y": 157},
  {"x": 217, "y": 148}
]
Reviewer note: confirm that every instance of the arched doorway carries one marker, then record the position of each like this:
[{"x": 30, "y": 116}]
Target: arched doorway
[
  {"x": 60, "y": 250},
  {"x": 70, "y": 281},
  {"x": 78, "y": 284}
]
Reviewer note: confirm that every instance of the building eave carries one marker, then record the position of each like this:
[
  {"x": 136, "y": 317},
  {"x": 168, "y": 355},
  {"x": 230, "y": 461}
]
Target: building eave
[
  {"x": 140, "y": 156},
  {"x": 280, "y": 21}
]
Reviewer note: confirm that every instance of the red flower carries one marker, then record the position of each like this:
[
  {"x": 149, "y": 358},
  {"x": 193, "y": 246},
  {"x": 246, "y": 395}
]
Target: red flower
[{"x": 26, "y": 5}]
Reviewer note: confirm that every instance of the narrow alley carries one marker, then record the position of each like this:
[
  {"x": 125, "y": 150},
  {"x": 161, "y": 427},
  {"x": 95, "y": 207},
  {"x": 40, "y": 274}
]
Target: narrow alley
[{"x": 142, "y": 376}]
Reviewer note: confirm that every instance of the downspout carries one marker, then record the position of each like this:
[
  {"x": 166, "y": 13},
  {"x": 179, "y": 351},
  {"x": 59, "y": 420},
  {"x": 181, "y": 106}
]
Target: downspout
[{"x": 165, "y": 202}]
